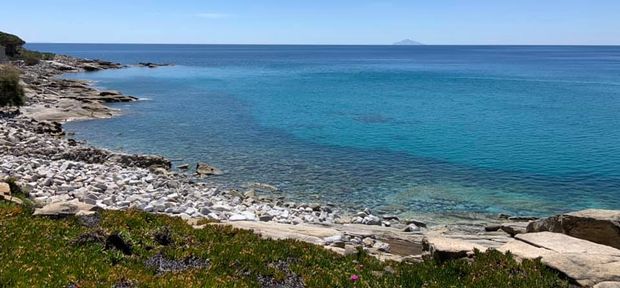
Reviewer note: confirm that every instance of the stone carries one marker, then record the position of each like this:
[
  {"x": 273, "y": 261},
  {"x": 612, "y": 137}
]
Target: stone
[
  {"x": 411, "y": 228},
  {"x": 368, "y": 242},
  {"x": 265, "y": 218},
  {"x": 492, "y": 228},
  {"x": 389, "y": 217},
  {"x": 183, "y": 166},
  {"x": 416, "y": 222},
  {"x": 349, "y": 250},
  {"x": 442, "y": 248},
  {"x": 63, "y": 209},
  {"x": 206, "y": 169},
  {"x": 381, "y": 246},
  {"x": 250, "y": 194},
  {"x": 243, "y": 216},
  {"x": 586, "y": 262},
  {"x": 5, "y": 189},
  {"x": 596, "y": 225},
  {"x": 371, "y": 220},
  {"x": 514, "y": 228},
  {"x": 331, "y": 239},
  {"x": 205, "y": 211}
]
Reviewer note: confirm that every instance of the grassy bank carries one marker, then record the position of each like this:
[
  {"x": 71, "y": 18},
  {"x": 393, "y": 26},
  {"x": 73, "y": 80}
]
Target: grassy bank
[{"x": 136, "y": 249}]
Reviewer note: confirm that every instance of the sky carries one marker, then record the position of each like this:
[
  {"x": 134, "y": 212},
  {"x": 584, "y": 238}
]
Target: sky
[{"x": 440, "y": 22}]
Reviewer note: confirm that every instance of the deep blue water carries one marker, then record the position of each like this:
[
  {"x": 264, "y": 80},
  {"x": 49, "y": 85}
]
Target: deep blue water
[{"x": 420, "y": 129}]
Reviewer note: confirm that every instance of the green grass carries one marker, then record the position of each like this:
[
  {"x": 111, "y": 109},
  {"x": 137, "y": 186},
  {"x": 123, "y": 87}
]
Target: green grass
[{"x": 41, "y": 252}]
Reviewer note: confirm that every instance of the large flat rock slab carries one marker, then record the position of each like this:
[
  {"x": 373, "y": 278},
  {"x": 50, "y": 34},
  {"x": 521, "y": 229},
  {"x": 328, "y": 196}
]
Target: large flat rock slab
[
  {"x": 303, "y": 232},
  {"x": 586, "y": 262},
  {"x": 65, "y": 208},
  {"x": 566, "y": 244},
  {"x": 596, "y": 225}
]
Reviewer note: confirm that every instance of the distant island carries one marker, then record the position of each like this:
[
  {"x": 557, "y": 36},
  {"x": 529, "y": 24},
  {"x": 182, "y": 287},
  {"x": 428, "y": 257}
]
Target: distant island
[{"x": 408, "y": 42}]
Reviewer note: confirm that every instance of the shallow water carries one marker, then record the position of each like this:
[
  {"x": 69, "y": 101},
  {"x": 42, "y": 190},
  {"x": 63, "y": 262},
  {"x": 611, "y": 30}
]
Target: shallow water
[{"x": 430, "y": 129}]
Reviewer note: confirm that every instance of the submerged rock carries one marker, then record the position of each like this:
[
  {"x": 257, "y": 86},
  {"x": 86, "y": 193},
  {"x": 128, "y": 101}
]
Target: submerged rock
[{"x": 206, "y": 169}]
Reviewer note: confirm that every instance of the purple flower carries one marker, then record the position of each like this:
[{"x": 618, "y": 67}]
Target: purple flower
[{"x": 355, "y": 278}]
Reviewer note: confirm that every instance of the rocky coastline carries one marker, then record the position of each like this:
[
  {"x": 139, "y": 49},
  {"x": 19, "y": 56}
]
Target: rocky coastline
[{"x": 63, "y": 176}]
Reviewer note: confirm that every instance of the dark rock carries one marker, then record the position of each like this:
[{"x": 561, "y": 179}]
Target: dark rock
[
  {"x": 291, "y": 280},
  {"x": 416, "y": 222},
  {"x": 162, "y": 264},
  {"x": 90, "y": 68},
  {"x": 109, "y": 93},
  {"x": 93, "y": 237},
  {"x": 522, "y": 218},
  {"x": 390, "y": 217},
  {"x": 265, "y": 218},
  {"x": 163, "y": 236},
  {"x": 492, "y": 228},
  {"x": 123, "y": 284},
  {"x": 90, "y": 221},
  {"x": 152, "y": 65},
  {"x": 115, "y": 241}
]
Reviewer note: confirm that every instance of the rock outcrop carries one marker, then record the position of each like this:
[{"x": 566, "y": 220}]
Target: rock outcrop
[
  {"x": 585, "y": 262},
  {"x": 598, "y": 226}
]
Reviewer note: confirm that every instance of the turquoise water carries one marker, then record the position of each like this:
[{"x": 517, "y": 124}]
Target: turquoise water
[{"x": 430, "y": 129}]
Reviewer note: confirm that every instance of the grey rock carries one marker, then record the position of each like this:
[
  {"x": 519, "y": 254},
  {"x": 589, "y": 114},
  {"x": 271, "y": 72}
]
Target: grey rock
[
  {"x": 596, "y": 225},
  {"x": 206, "y": 169}
]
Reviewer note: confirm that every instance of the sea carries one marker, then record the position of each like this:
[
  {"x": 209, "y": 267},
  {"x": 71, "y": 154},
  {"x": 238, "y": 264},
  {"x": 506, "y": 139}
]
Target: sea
[{"x": 438, "y": 132}]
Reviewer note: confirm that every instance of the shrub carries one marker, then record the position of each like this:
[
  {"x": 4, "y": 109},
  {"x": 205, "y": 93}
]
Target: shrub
[
  {"x": 11, "y": 92},
  {"x": 33, "y": 57}
]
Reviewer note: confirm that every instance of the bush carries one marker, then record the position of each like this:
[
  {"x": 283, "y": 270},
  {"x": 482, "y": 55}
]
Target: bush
[
  {"x": 11, "y": 92},
  {"x": 33, "y": 57}
]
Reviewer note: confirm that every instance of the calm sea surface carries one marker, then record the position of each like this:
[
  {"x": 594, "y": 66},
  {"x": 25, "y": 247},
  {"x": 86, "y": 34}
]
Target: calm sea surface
[{"x": 420, "y": 130}]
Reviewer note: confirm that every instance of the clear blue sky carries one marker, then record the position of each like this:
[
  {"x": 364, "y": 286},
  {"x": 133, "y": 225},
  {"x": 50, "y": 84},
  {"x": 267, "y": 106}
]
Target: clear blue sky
[{"x": 314, "y": 21}]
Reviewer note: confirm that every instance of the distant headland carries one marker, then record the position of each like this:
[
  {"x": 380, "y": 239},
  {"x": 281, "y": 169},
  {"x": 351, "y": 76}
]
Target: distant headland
[{"x": 407, "y": 42}]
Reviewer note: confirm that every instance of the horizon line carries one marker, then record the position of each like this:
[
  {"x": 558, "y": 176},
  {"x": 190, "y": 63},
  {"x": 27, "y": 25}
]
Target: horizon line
[{"x": 312, "y": 44}]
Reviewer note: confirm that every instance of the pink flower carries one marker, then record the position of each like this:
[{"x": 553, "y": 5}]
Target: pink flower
[{"x": 355, "y": 278}]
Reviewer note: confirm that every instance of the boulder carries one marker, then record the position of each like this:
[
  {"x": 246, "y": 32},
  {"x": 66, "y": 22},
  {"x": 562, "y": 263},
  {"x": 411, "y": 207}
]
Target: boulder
[
  {"x": 596, "y": 225},
  {"x": 206, "y": 169},
  {"x": 412, "y": 228},
  {"x": 585, "y": 262},
  {"x": 608, "y": 284},
  {"x": 5, "y": 189},
  {"x": 442, "y": 248},
  {"x": 243, "y": 216},
  {"x": 65, "y": 208}
]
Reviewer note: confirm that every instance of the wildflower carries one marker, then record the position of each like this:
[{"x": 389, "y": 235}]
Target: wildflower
[{"x": 355, "y": 278}]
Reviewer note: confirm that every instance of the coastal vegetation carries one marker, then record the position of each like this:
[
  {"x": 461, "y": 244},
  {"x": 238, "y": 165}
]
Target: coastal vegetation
[
  {"x": 11, "y": 92},
  {"x": 14, "y": 50},
  {"x": 137, "y": 249}
]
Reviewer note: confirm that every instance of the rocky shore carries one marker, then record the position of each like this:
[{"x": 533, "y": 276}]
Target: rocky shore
[{"x": 66, "y": 177}]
